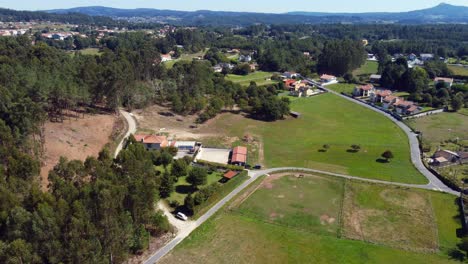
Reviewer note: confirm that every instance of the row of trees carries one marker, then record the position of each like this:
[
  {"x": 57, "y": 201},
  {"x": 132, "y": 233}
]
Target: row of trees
[{"x": 97, "y": 211}]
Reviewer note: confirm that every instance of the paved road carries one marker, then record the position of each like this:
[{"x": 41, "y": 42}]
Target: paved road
[
  {"x": 419, "y": 186},
  {"x": 131, "y": 130},
  {"x": 434, "y": 182},
  {"x": 181, "y": 236}
]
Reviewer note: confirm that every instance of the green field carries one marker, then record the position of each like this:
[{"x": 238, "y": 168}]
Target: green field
[
  {"x": 329, "y": 119},
  {"x": 441, "y": 127},
  {"x": 368, "y": 68},
  {"x": 389, "y": 216},
  {"x": 276, "y": 224},
  {"x": 342, "y": 87},
  {"x": 185, "y": 57},
  {"x": 258, "y": 77},
  {"x": 457, "y": 70},
  {"x": 293, "y": 203}
]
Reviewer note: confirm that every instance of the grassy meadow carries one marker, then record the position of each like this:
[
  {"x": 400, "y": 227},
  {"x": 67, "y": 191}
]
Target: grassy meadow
[
  {"x": 276, "y": 224},
  {"x": 259, "y": 77},
  {"x": 342, "y": 87},
  {"x": 368, "y": 68},
  {"x": 457, "y": 70},
  {"x": 329, "y": 119}
]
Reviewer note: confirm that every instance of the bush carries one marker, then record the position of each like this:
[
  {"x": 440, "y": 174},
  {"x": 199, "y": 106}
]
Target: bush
[
  {"x": 159, "y": 224},
  {"x": 215, "y": 166}
]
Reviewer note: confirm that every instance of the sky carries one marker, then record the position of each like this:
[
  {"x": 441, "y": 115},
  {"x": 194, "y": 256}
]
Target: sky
[{"x": 266, "y": 6}]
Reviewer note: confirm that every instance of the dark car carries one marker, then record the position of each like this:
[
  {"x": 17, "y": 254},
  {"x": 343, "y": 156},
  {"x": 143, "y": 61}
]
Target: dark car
[{"x": 257, "y": 167}]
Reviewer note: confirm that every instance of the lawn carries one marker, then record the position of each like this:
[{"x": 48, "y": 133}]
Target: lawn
[
  {"x": 235, "y": 237},
  {"x": 259, "y": 77},
  {"x": 293, "y": 202},
  {"x": 185, "y": 57},
  {"x": 329, "y": 119},
  {"x": 182, "y": 187},
  {"x": 368, "y": 68},
  {"x": 457, "y": 70},
  {"x": 342, "y": 87}
]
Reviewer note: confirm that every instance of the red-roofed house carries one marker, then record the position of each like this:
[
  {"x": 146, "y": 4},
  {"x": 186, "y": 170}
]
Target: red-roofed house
[
  {"x": 239, "y": 156},
  {"x": 364, "y": 90},
  {"x": 325, "y": 78},
  {"x": 152, "y": 142},
  {"x": 379, "y": 95},
  {"x": 166, "y": 57},
  {"x": 388, "y": 101},
  {"x": 288, "y": 83}
]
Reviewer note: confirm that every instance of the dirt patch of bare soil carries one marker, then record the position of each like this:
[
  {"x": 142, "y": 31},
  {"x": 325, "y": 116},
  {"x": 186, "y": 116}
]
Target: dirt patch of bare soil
[
  {"x": 158, "y": 118},
  {"x": 74, "y": 139}
]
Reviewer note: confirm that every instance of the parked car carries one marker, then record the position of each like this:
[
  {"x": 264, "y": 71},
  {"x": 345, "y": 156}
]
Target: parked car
[
  {"x": 181, "y": 216},
  {"x": 257, "y": 167}
]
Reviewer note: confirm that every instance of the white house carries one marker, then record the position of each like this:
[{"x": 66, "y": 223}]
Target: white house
[
  {"x": 325, "y": 78},
  {"x": 426, "y": 56},
  {"x": 364, "y": 90},
  {"x": 166, "y": 57},
  {"x": 446, "y": 81}
]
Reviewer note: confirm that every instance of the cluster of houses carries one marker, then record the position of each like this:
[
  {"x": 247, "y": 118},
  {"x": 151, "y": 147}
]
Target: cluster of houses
[
  {"x": 12, "y": 32},
  {"x": 443, "y": 158},
  {"x": 386, "y": 99},
  {"x": 300, "y": 88}
]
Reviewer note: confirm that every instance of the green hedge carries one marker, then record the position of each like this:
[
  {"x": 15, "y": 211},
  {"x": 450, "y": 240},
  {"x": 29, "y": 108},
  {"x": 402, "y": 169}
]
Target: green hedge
[{"x": 215, "y": 165}]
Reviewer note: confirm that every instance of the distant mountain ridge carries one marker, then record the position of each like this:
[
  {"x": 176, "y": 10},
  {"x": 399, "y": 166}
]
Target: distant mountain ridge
[{"x": 442, "y": 13}]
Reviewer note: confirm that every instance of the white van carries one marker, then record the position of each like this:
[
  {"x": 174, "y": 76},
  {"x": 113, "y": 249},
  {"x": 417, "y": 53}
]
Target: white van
[{"x": 181, "y": 216}]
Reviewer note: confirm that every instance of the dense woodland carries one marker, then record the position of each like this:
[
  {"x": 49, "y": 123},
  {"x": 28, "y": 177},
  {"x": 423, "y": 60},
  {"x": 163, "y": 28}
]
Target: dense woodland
[{"x": 102, "y": 209}]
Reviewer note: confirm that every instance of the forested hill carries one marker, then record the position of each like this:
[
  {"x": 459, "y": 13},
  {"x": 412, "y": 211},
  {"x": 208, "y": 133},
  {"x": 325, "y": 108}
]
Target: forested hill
[
  {"x": 443, "y": 13},
  {"x": 73, "y": 18}
]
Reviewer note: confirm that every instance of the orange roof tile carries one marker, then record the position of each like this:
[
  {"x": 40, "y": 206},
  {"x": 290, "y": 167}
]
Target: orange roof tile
[{"x": 230, "y": 174}]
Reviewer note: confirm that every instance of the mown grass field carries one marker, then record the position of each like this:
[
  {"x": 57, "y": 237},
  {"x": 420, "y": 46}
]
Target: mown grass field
[
  {"x": 457, "y": 70},
  {"x": 259, "y": 77},
  {"x": 342, "y": 87},
  {"x": 234, "y": 236},
  {"x": 389, "y": 216},
  {"x": 329, "y": 119},
  {"x": 368, "y": 68},
  {"x": 293, "y": 202}
]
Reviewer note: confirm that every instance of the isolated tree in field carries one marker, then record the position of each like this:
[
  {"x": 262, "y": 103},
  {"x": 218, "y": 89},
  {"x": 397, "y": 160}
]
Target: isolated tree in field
[
  {"x": 326, "y": 147},
  {"x": 355, "y": 148},
  {"x": 197, "y": 176},
  {"x": 387, "y": 155}
]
